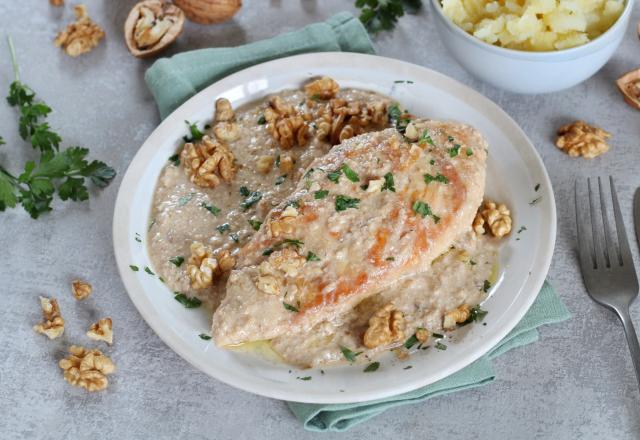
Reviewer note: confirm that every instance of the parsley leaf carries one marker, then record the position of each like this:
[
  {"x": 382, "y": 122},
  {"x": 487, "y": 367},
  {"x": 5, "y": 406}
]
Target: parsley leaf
[
  {"x": 344, "y": 203},
  {"x": 223, "y": 228},
  {"x": 195, "y": 132},
  {"x": 321, "y": 194},
  {"x": 175, "y": 160},
  {"x": 204, "y": 337},
  {"x": 440, "y": 346},
  {"x": 280, "y": 179},
  {"x": 177, "y": 261},
  {"x": 187, "y": 302},
  {"x": 411, "y": 341},
  {"x": 255, "y": 224},
  {"x": 388, "y": 183},
  {"x": 134, "y": 267},
  {"x": 349, "y": 354},
  {"x": 486, "y": 286},
  {"x": 349, "y": 173},
  {"x": 211, "y": 208},
  {"x": 425, "y": 137},
  {"x": 334, "y": 176},
  {"x": 428, "y": 178},
  {"x": 312, "y": 257},
  {"x": 373, "y": 366},
  {"x": 382, "y": 15},
  {"x": 400, "y": 119},
  {"x": 421, "y": 208},
  {"x": 262, "y": 120},
  {"x": 148, "y": 270},
  {"x": 253, "y": 198},
  {"x": 290, "y": 308},
  {"x": 476, "y": 314},
  {"x": 453, "y": 151}
]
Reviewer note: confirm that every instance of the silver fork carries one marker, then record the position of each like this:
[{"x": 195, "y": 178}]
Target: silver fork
[{"x": 605, "y": 257}]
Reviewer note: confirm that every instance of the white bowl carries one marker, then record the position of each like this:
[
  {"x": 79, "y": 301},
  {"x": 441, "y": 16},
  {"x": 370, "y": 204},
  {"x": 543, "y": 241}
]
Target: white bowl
[
  {"x": 515, "y": 175},
  {"x": 529, "y": 72}
]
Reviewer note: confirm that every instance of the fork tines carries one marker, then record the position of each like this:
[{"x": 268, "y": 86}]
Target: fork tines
[{"x": 600, "y": 246}]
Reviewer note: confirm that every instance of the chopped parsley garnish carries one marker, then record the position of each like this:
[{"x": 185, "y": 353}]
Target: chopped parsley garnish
[
  {"x": 349, "y": 354},
  {"x": 537, "y": 187},
  {"x": 321, "y": 194},
  {"x": 305, "y": 377},
  {"x": 450, "y": 138},
  {"x": 204, "y": 337},
  {"x": 390, "y": 259},
  {"x": 149, "y": 271},
  {"x": 309, "y": 173},
  {"x": 343, "y": 203},
  {"x": 389, "y": 184},
  {"x": 432, "y": 162},
  {"x": 188, "y": 303},
  {"x": 535, "y": 201},
  {"x": 223, "y": 228},
  {"x": 469, "y": 152},
  {"x": 425, "y": 137},
  {"x": 235, "y": 237},
  {"x": 334, "y": 176},
  {"x": 185, "y": 199},
  {"x": 253, "y": 198},
  {"x": 453, "y": 151},
  {"x": 244, "y": 191},
  {"x": 175, "y": 160},
  {"x": 177, "y": 261},
  {"x": 424, "y": 210},
  {"x": 290, "y": 308},
  {"x": 137, "y": 238},
  {"x": 286, "y": 242},
  {"x": 262, "y": 120},
  {"x": 476, "y": 314},
  {"x": 373, "y": 366},
  {"x": 278, "y": 161},
  {"x": 211, "y": 208},
  {"x": 428, "y": 178},
  {"x": 295, "y": 203},
  {"x": 134, "y": 267},
  {"x": 280, "y": 180},
  {"x": 486, "y": 286},
  {"x": 195, "y": 132},
  {"x": 402, "y": 81},
  {"x": 408, "y": 367},
  {"x": 473, "y": 263},
  {"x": 255, "y": 224},
  {"x": 437, "y": 335},
  {"x": 440, "y": 346},
  {"x": 312, "y": 257},
  {"x": 349, "y": 173},
  {"x": 522, "y": 228},
  {"x": 398, "y": 117},
  {"x": 411, "y": 341}
]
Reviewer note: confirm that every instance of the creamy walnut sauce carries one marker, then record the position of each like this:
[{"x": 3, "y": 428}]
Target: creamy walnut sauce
[{"x": 183, "y": 213}]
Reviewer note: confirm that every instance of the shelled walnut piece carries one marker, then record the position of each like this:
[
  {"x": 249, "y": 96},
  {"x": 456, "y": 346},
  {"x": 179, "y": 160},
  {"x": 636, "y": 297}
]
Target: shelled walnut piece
[
  {"x": 151, "y": 26},
  {"x": 629, "y": 85},
  {"x": 87, "y": 368},
  {"x": 287, "y": 127},
  {"x": 581, "y": 139},
  {"x": 102, "y": 331},
  {"x": 455, "y": 317},
  {"x": 281, "y": 264},
  {"x": 79, "y": 37},
  {"x": 203, "y": 266},
  {"x": 385, "y": 327},
  {"x": 81, "y": 289},
  {"x": 323, "y": 88},
  {"x": 52, "y": 325},
  {"x": 56, "y": 2},
  {"x": 340, "y": 120},
  {"x": 208, "y": 162},
  {"x": 493, "y": 217}
]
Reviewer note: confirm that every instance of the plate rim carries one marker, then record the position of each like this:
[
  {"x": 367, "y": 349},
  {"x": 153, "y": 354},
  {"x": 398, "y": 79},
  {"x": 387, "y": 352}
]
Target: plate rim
[{"x": 122, "y": 243}]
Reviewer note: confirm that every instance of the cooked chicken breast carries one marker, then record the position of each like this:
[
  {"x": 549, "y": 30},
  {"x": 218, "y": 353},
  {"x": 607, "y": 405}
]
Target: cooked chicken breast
[{"x": 375, "y": 209}]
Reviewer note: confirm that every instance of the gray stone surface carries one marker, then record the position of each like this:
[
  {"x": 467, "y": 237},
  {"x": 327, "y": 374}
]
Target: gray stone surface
[{"x": 577, "y": 382}]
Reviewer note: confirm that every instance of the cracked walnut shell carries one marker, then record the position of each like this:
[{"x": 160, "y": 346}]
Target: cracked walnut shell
[
  {"x": 52, "y": 325},
  {"x": 81, "y": 289},
  {"x": 202, "y": 266},
  {"x": 582, "y": 139},
  {"x": 494, "y": 217},
  {"x": 385, "y": 327},
  {"x": 629, "y": 85},
  {"x": 102, "y": 331},
  {"x": 208, "y": 162},
  {"x": 79, "y": 37},
  {"x": 87, "y": 368},
  {"x": 455, "y": 317},
  {"x": 323, "y": 88},
  {"x": 151, "y": 26}
]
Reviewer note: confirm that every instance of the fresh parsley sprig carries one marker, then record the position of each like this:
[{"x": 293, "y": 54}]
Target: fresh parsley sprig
[{"x": 382, "y": 15}]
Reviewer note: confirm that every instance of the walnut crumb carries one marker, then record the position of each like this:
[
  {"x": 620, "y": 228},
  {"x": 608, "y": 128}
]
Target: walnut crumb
[
  {"x": 102, "y": 331},
  {"x": 264, "y": 164},
  {"x": 81, "y": 289},
  {"x": 80, "y": 37},
  {"x": 52, "y": 325},
  {"x": 203, "y": 266},
  {"x": 87, "y": 368},
  {"x": 455, "y": 317},
  {"x": 582, "y": 139},
  {"x": 494, "y": 217},
  {"x": 385, "y": 326}
]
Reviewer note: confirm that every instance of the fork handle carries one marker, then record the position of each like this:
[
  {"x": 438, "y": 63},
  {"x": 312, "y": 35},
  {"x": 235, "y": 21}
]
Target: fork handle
[{"x": 632, "y": 339}]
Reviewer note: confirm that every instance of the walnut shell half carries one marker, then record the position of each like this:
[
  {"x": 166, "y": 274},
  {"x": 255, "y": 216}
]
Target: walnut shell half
[
  {"x": 629, "y": 85},
  {"x": 209, "y": 11},
  {"x": 152, "y": 25}
]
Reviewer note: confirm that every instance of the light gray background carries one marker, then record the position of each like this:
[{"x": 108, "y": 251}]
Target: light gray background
[{"x": 577, "y": 382}]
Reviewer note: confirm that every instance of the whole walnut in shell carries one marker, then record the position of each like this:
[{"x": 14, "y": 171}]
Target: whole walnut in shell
[{"x": 209, "y": 11}]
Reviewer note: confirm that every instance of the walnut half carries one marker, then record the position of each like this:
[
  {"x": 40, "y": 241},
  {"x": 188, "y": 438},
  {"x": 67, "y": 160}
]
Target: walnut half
[
  {"x": 79, "y": 37},
  {"x": 53, "y": 324},
  {"x": 102, "y": 331},
  {"x": 203, "y": 266},
  {"x": 81, "y": 289},
  {"x": 87, "y": 368},
  {"x": 151, "y": 26},
  {"x": 494, "y": 217},
  {"x": 629, "y": 85},
  {"x": 581, "y": 139},
  {"x": 385, "y": 327},
  {"x": 208, "y": 162}
]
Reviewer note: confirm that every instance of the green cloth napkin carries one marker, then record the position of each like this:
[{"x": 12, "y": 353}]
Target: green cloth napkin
[
  {"x": 173, "y": 80},
  {"x": 546, "y": 309}
]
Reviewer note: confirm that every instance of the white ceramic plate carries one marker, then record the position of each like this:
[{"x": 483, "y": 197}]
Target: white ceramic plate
[{"x": 514, "y": 171}]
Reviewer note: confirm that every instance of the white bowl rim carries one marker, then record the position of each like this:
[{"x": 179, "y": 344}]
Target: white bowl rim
[
  {"x": 122, "y": 241},
  {"x": 545, "y": 56}
]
